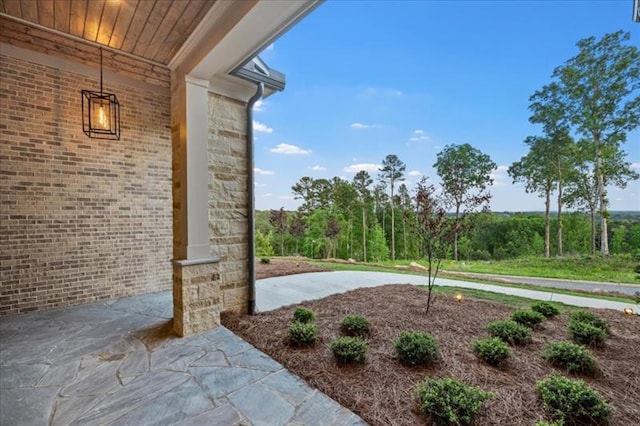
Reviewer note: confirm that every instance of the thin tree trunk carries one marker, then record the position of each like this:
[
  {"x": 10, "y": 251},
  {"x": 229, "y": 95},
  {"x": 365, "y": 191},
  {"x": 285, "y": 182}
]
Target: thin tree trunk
[
  {"x": 560, "y": 253},
  {"x": 393, "y": 225},
  {"x": 404, "y": 234},
  {"x": 604, "y": 239},
  {"x": 364, "y": 233},
  {"x": 593, "y": 230},
  {"x": 455, "y": 234},
  {"x": 547, "y": 224}
]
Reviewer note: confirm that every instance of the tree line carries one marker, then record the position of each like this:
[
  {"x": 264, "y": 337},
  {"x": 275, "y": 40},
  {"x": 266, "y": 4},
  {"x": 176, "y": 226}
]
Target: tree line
[{"x": 585, "y": 114}]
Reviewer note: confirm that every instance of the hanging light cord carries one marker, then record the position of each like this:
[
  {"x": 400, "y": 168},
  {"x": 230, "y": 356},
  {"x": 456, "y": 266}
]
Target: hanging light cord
[{"x": 101, "y": 70}]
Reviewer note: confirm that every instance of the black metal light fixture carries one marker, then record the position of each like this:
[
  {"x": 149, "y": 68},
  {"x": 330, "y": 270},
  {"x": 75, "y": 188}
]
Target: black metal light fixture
[{"x": 100, "y": 113}]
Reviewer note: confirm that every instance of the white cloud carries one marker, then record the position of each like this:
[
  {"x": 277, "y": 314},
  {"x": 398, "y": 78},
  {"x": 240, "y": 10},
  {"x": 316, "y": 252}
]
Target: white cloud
[
  {"x": 362, "y": 126},
  {"x": 260, "y": 127},
  {"x": 288, "y": 149},
  {"x": 259, "y": 106},
  {"x": 318, "y": 168},
  {"x": 260, "y": 185},
  {"x": 635, "y": 165},
  {"x": 263, "y": 172},
  {"x": 499, "y": 176},
  {"x": 369, "y": 167},
  {"x": 285, "y": 197},
  {"x": 414, "y": 173},
  {"x": 268, "y": 194},
  {"x": 376, "y": 91},
  {"x": 419, "y": 136}
]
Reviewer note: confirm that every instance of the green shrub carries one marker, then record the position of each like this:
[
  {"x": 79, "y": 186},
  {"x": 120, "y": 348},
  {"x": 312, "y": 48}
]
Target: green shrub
[
  {"x": 572, "y": 401},
  {"x": 574, "y": 358},
  {"x": 591, "y": 319},
  {"x": 450, "y": 402},
  {"x": 303, "y": 315},
  {"x": 510, "y": 332},
  {"x": 265, "y": 260},
  {"x": 586, "y": 334},
  {"x": 355, "y": 325},
  {"x": 347, "y": 349},
  {"x": 528, "y": 318},
  {"x": 545, "y": 308},
  {"x": 302, "y": 334},
  {"x": 415, "y": 348},
  {"x": 493, "y": 351}
]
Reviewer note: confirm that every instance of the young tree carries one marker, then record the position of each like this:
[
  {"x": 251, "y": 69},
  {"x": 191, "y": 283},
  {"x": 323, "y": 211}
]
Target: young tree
[
  {"x": 433, "y": 228},
  {"x": 391, "y": 172},
  {"x": 537, "y": 175},
  {"x": 559, "y": 151},
  {"x": 361, "y": 182},
  {"x": 465, "y": 172},
  {"x": 404, "y": 203},
  {"x": 296, "y": 229},
  {"x": 278, "y": 219},
  {"x": 600, "y": 86}
]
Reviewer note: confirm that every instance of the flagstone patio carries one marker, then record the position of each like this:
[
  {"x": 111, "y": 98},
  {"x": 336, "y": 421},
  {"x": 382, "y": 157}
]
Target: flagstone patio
[{"x": 119, "y": 362}]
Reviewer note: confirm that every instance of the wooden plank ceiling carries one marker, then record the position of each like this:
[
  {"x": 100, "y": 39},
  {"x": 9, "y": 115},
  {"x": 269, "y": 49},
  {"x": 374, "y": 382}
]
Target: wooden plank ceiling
[{"x": 150, "y": 29}]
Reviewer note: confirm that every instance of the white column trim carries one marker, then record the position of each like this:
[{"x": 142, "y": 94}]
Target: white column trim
[{"x": 196, "y": 146}]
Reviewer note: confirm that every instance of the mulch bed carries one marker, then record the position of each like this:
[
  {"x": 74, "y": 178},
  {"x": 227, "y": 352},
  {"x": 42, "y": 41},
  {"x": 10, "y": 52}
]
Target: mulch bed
[
  {"x": 278, "y": 268},
  {"x": 380, "y": 391}
]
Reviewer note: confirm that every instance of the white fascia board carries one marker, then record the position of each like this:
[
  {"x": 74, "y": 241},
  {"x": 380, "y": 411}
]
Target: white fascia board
[{"x": 255, "y": 28}]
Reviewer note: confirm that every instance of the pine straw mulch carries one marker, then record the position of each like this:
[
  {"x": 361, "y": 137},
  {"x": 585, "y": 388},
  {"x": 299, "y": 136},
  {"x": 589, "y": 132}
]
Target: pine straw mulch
[
  {"x": 278, "y": 268},
  {"x": 380, "y": 391}
]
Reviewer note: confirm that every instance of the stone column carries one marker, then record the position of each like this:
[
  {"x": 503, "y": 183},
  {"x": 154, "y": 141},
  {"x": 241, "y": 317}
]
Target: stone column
[{"x": 196, "y": 277}]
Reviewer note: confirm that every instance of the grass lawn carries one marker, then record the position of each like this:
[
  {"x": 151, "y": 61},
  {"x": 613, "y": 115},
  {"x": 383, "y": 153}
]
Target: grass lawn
[{"x": 616, "y": 269}]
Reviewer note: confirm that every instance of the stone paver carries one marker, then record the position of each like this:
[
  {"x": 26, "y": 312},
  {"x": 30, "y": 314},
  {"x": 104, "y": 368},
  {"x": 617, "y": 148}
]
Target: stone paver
[{"x": 119, "y": 363}]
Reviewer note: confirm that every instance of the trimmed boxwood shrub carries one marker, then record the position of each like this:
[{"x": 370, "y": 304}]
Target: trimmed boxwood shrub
[
  {"x": 450, "y": 402},
  {"x": 348, "y": 349},
  {"x": 303, "y": 315},
  {"x": 355, "y": 325},
  {"x": 510, "y": 332},
  {"x": 528, "y": 318},
  {"x": 545, "y": 308},
  {"x": 265, "y": 261},
  {"x": 415, "y": 348},
  {"x": 591, "y": 319},
  {"x": 302, "y": 333},
  {"x": 574, "y": 358},
  {"x": 572, "y": 401},
  {"x": 493, "y": 350},
  {"x": 586, "y": 334}
]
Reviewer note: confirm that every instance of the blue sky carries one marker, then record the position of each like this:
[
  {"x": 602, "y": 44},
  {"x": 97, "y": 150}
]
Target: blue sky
[{"x": 371, "y": 78}]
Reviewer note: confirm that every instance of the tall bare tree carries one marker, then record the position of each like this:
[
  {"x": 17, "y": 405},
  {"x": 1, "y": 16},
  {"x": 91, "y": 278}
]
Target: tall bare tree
[{"x": 391, "y": 172}]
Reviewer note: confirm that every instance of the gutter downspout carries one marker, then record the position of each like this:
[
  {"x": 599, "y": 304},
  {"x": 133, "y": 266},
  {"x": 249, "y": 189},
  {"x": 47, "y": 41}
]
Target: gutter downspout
[{"x": 251, "y": 216}]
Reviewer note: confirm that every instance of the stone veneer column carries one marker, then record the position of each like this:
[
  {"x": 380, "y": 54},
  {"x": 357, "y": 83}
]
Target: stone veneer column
[{"x": 196, "y": 275}]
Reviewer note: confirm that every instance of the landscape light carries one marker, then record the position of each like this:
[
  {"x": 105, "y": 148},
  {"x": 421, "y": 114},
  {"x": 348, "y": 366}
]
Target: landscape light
[
  {"x": 628, "y": 311},
  {"x": 459, "y": 297}
]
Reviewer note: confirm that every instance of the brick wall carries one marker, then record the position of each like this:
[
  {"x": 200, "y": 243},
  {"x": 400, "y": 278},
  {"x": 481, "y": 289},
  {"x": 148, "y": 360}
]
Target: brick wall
[
  {"x": 228, "y": 198},
  {"x": 81, "y": 219}
]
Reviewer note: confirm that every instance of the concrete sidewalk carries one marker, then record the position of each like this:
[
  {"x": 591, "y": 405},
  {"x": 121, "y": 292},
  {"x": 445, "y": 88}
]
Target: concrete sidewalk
[{"x": 272, "y": 293}]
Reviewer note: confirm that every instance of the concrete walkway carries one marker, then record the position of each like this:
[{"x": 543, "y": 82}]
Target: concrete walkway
[
  {"x": 118, "y": 363},
  {"x": 272, "y": 293}
]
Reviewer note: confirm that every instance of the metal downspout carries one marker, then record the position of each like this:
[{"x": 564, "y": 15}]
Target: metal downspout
[{"x": 252, "y": 201}]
